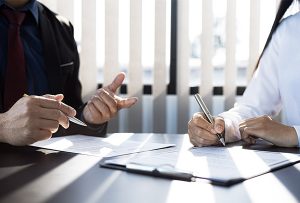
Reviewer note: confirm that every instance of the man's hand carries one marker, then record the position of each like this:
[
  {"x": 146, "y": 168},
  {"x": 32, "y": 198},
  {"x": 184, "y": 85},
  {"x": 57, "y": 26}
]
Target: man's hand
[
  {"x": 105, "y": 104},
  {"x": 264, "y": 127},
  {"x": 202, "y": 133},
  {"x": 34, "y": 118}
]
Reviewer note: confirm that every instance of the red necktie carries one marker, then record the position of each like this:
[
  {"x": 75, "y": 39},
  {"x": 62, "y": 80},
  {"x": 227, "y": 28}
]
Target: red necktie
[{"x": 15, "y": 77}]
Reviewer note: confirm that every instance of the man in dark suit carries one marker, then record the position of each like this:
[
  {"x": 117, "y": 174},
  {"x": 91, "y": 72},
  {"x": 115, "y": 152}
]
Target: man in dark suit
[{"x": 39, "y": 57}]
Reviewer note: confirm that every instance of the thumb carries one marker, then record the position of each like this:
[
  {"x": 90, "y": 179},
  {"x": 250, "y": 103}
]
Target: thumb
[
  {"x": 57, "y": 97},
  {"x": 117, "y": 82},
  {"x": 219, "y": 124},
  {"x": 126, "y": 103}
]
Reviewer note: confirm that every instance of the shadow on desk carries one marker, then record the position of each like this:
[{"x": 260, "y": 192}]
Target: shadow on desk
[
  {"x": 263, "y": 145},
  {"x": 17, "y": 165},
  {"x": 289, "y": 176},
  {"x": 23, "y": 179}
]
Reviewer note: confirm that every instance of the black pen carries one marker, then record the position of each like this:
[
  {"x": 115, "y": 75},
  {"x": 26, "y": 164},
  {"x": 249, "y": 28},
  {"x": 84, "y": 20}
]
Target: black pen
[
  {"x": 208, "y": 116},
  {"x": 173, "y": 174}
]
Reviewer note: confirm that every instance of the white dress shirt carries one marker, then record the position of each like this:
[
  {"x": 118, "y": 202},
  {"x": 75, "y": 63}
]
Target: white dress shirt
[{"x": 275, "y": 85}]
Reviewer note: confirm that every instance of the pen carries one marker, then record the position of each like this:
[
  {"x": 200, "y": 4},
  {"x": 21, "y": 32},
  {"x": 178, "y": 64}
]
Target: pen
[
  {"x": 72, "y": 119},
  {"x": 173, "y": 174},
  {"x": 208, "y": 116},
  {"x": 76, "y": 120}
]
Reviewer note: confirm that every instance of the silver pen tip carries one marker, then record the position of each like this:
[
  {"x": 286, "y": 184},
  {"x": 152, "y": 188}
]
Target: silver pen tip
[{"x": 223, "y": 141}]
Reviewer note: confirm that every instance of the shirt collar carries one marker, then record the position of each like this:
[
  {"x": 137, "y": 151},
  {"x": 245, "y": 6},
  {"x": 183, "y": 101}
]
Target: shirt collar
[{"x": 31, "y": 6}]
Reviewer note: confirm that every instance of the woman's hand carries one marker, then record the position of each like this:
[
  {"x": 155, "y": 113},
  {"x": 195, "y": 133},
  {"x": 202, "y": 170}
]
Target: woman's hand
[
  {"x": 202, "y": 133},
  {"x": 264, "y": 127}
]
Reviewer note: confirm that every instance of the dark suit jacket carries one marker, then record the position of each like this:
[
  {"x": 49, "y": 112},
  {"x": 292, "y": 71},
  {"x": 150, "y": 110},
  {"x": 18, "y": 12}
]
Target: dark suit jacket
[{"x": 62, "y": 66}]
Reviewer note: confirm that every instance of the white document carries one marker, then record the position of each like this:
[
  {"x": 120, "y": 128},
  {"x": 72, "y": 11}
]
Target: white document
[
  {"x": 96, "y": 146},
  {"x": 218, "y": 164}
]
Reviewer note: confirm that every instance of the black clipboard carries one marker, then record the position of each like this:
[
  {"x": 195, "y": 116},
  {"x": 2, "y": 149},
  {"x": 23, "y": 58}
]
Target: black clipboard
[
  {"x": 172, "y": 174},
  {"x": 129, "y": 165}
]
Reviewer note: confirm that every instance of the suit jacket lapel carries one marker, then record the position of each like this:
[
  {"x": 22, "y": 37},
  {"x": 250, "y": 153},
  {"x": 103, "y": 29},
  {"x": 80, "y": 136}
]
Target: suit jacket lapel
[
  {"x": 1, "y": 96},
  {"x": 50, "y": 50}
]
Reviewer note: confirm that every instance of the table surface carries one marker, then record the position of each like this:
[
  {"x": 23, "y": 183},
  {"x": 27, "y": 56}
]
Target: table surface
[{"x": 29, "y": 174}]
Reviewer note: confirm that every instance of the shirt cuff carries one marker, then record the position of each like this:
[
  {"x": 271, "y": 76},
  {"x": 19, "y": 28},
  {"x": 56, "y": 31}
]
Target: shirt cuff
[{"x": 297, "y": 128}]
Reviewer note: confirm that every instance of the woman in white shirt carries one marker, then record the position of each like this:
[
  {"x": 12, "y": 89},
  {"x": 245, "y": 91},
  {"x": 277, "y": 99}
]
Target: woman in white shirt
[{"x": 274, "y": 87}]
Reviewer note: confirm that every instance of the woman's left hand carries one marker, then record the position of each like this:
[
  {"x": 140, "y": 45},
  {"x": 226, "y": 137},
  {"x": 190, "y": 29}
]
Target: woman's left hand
[{"x": 264, "y": 127}]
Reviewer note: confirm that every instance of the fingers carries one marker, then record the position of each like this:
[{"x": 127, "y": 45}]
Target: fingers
[
  {"x": 219, "y": 125},
  {"x": 122, "y": 103},
  {"x": 107, "y": 100},
  {"x": 117, "y": 82},
  {"x": 200, "y": 121},
  {"x": 35, "y": 118},
  {"x": 201, "y": 132},
  {"x": 99, "y": 105},
  {"x": 252, "y": 128},
  {"x": 127, "y": 102},
  {"x": 105, "y": 103},
  {"x": 58, "y": 97},
  {"x": 246, "y": 135},
  {"x": 62, "y": 112},
  {"x": 68, "y": 110},
  {"x": 267, "y": 129},
  {"x": 54, "y": 115},
  {"x": 246, "y": 131},
  {"x": 200, "y": 140},
  {"x": 48, "y": 125},
  {"x": 94, "y": 116},
  {"x": 47, "y": 107}
]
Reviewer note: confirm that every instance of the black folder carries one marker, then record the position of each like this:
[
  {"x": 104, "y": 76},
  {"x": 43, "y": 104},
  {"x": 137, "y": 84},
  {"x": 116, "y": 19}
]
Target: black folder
[{"x": 157, "y": 165}]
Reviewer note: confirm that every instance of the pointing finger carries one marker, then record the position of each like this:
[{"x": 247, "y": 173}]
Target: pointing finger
[
  {"x": 57, "y": 97},
  {"x": 126, "y": 103}
]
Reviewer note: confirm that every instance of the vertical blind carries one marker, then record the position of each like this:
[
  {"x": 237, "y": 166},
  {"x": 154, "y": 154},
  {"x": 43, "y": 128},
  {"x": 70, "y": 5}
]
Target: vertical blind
[
  {"x": 160, "y": 71},
  {"x": 159, "y": 111}
]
